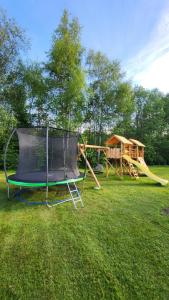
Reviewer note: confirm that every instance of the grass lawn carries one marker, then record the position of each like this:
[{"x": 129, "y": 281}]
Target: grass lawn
[{"x": 116, "y": 247}]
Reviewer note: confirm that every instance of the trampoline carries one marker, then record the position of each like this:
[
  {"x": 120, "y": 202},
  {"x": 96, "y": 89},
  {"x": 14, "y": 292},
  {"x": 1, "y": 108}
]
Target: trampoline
[{"x": 47, "y": 157}]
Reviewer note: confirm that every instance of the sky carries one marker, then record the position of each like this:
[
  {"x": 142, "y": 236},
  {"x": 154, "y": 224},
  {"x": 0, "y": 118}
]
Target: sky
[{"x": 135, "y": 32}]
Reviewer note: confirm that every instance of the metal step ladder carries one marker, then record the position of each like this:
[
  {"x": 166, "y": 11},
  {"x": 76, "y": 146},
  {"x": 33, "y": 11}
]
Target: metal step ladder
[{"x": 75, "y": 194}]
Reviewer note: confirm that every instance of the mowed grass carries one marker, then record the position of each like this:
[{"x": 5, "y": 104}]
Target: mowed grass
[{"x": 116, "y": 247}]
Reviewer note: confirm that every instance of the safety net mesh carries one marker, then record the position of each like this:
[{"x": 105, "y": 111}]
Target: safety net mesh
[{"x": 47, "y": 155}]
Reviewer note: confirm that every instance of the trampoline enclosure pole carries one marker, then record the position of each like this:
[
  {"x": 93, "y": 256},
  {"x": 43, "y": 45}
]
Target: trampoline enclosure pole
[
  {"x": 47, "y": 154},
  {"x": 64, "y": 156},
  {"x": 5, "y": 155}
]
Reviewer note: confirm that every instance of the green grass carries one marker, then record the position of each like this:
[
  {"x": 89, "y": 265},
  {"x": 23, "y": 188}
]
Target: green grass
[{"x": 116, "y": 247}]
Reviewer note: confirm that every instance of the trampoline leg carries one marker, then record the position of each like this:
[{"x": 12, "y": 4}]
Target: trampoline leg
[{"x": 47, "y": 189}]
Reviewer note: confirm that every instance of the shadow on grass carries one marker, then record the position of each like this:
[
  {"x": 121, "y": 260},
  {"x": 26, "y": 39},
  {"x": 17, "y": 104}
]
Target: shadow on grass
[
  {"x": 8, "y": 205},
  {"x": 31, "y": 198}
]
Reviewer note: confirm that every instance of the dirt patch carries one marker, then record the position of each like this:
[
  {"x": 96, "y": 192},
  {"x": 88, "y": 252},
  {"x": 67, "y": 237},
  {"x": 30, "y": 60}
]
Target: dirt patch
[{"x": 165, "y": 211}]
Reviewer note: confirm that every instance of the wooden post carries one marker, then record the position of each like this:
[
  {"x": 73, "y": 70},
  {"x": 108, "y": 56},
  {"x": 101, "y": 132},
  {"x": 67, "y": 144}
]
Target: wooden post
[
  {"x": 116, "y": 166},
  {"x": 121, "y": 160},
  {"x": 90, "y": 168},
  {"x": 107, "y": 169},
  {"x": 107, "y": 165},
  {"x": 137, "y": 152}
]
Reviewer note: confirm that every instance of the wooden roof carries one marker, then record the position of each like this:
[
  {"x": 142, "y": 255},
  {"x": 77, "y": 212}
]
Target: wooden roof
[
  {"x": 115, "y": 139},
  {"x": 137, "y": 143}
]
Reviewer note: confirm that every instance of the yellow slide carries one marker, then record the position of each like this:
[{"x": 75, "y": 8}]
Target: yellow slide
[
  {"x": 145, "y": 170},
  {"x": 142, "y": 161}
]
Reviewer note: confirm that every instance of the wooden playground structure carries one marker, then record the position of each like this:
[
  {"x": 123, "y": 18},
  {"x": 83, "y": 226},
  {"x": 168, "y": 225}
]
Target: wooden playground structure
[
  {"x": 125, "y": 156},
  {"x": 120, "y": 146}
]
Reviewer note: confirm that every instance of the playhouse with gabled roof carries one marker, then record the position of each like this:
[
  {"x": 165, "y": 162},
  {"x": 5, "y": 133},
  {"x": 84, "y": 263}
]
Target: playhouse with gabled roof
[
  {"x": 137, "y": 149},
  {"x": 119, "y": 147}
]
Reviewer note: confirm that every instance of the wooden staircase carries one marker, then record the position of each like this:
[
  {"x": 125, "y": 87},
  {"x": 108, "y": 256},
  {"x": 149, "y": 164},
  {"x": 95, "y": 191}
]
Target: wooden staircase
[{"x": 130, "y": 169}]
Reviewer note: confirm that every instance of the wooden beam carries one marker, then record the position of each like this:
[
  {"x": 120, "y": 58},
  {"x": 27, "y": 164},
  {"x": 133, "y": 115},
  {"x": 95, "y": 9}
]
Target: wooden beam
[
  {"x": 109, "y": 163},
  {"x": 85, "y": 146},
  {"x": 107, "y": 169},
  {"x": 121, "y": 160},
  {"x": 90, "y": 168}
]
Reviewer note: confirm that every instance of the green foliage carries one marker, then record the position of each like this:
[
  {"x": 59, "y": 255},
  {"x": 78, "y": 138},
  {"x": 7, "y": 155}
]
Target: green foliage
[
  {"x": 125, "y": 107},
  {"x": 15, "y": 95},
  {"x": 66, "y": 77},
  {"x": 12, "y": 41},
  {"x": 110, "y": 99},
  {"x": 12, "y": 90},
  {"x": 38, "y": 104},
  {"x": 150, "y": 121},
  {"x": 92, "y": 157},
  {"x": 7, "y": 123},
  {"x": 104, "y": 76}
]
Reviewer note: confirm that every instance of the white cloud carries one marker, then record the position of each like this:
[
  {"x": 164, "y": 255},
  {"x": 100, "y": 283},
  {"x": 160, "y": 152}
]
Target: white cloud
[
  {"x": 156, "y": 75},
  {"x": 150, "y": 67}
]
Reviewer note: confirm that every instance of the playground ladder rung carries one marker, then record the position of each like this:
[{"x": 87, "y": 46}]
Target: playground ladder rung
[
  {"x": 80, "y": 200},
  {"x": 78, "y": 197}
]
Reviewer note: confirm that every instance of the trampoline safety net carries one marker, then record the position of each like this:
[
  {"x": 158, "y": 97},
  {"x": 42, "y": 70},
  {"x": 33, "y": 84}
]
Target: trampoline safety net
[{"x": 47, "y": 155}]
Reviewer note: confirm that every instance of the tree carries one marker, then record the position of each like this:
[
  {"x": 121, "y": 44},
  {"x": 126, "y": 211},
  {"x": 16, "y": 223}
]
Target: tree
[
  {"x": 150, "y": 121},
  {"x": 12, "y": 91},
  {"x": 166, "y": 112},
  {"x": 124, "y": 97},
  {"x": 66, "y": 77},
  {"x": 149, "y": 118},
  {"x": 7, "y": 123},
  {"x": 12, "y": 41},
  {"x": 15, "y": 96},
  {"x": 108, "y": 94},
  {"x": 37, "y": 94}
]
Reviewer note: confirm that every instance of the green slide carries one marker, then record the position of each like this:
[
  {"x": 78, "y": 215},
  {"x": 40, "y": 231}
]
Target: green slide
[{"x": 145, "y": 170}]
